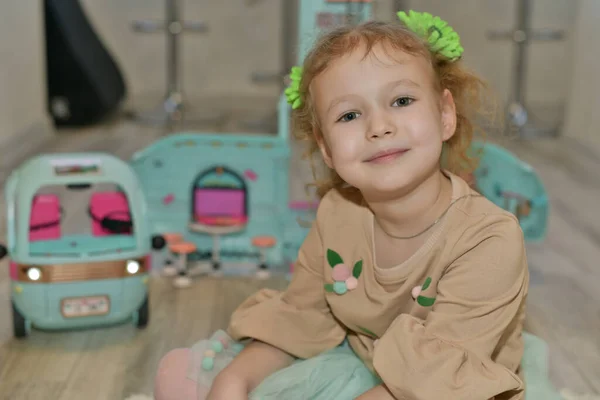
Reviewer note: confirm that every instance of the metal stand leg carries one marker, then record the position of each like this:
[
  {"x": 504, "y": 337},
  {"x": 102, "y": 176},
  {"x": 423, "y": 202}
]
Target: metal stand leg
[
  {"x": 400, "y": 5},
  {"x": 268, "y": 123},
  {"x": 262, "y": 272},
  {"x": 215, "y": 257},
  {"x": 174, "y": 108},
  {"x": 518, "y": 114},
  {"x": 289, "y": 13},
  {"x": 169, "y": 269},
  {"x": 182, "y": 280}
]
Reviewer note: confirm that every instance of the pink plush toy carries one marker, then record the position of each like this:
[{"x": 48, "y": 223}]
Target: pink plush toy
[{"x": 171, "y": 381}]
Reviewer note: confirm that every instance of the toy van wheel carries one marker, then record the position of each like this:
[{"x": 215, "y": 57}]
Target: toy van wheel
[
  {"x": 142, "y": 315},
  {"x": 20, "y": 325}
]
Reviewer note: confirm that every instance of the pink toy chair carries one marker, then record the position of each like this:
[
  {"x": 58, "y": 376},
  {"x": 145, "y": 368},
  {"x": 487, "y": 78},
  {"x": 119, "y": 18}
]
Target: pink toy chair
[
  {"x": 110, "y": 214},
  {"x": 44, "y": 222},
  {"x": 183, "y": 249},
  {"x": 171, "y": 238},
  {"x": 262, "y": 243}
]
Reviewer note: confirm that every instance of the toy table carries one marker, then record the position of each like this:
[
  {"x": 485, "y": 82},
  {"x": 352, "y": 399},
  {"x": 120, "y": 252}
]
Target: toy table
[{"x": 216, "y": 231}]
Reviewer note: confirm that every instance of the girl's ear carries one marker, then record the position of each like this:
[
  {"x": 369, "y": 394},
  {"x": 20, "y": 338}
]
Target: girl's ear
[
  {"x": 448, "y": 115},
  {"x": 324, "y": 148}
]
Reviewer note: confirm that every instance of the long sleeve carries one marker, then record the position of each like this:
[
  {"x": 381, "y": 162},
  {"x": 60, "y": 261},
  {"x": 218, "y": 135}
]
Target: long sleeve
[
  {"x": 453, "y": 354},
  {"x": 298, "y": 320}
]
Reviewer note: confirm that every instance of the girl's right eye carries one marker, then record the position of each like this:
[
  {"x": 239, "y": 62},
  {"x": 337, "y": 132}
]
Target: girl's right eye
[{"x": 349, "y": 117}]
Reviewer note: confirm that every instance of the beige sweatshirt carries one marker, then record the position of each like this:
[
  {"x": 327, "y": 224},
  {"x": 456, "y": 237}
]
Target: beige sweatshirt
[{"x": 459, "y": 339}]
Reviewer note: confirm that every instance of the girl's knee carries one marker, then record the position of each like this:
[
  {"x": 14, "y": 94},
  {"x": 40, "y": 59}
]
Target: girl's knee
[{"x": 171, "y": 380}]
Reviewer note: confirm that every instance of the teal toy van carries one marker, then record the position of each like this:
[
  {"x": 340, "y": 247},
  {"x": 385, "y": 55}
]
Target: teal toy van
[{"x": 90, "y": 272}]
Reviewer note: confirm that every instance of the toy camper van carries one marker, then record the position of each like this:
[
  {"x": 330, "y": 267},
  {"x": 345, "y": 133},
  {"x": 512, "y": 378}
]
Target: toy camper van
[{"x": 83, "y": 262}]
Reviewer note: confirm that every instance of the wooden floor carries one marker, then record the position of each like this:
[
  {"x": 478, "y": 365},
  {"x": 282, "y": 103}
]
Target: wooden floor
[{"x": 113, "y": 363}]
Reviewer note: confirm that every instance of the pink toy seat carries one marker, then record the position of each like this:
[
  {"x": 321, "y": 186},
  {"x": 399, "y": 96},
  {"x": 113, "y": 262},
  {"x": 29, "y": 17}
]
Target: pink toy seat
[
  {"x": 111, "y": 205},
  {"x": 44, "y": 222},
  {"x": 216, "y": 206},
  {"x": 13, "y": 270}
]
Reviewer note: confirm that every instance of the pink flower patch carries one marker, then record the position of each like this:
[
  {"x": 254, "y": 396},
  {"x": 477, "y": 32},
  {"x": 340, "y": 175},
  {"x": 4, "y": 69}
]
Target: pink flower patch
[
  {"x": 351, "y": 283},
  {"x": 340, "y": 273},
  {"x": 344, "y": 277},
  {"x": 416, "y": 291}
]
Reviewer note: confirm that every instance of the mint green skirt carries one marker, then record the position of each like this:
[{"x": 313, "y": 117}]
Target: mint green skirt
[{"x": 338, "y": 374}]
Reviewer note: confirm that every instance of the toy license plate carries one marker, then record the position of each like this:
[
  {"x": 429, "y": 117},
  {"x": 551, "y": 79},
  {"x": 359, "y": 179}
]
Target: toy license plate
[{"x": 76, "y": 307}]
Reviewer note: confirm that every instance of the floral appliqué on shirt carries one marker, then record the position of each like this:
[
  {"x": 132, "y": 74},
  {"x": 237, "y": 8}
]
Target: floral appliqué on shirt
[
  {"x": 344, "y": 279},
  {"x": 423, "y": 300}
]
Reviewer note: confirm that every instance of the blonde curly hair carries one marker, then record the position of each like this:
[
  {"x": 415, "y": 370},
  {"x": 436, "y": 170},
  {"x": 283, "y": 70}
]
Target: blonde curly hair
[{"x": 466, "y": 88}]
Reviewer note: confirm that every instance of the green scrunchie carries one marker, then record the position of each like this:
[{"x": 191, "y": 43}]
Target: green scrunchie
[
  {"x": 293, "y": 91},
  {"x": 440, "y": 36}
]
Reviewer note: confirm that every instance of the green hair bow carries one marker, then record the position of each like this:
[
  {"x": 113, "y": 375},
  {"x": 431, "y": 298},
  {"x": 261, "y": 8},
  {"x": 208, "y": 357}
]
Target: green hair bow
[{"x": 442, "y": 39}]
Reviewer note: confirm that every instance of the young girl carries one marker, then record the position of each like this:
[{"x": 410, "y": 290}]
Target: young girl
[{"x": 409, "y": 285}]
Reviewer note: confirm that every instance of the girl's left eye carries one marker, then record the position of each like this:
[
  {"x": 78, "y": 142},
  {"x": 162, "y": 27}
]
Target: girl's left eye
[{"x": 403, "y": 101}]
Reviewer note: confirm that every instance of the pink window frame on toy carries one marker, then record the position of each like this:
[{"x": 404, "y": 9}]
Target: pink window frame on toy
[
  {"x": 219, "y": 205},
  {"x": 13, "y": 270}
]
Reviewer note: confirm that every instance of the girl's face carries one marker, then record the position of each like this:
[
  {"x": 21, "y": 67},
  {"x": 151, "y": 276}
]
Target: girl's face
[{"x": 382, "y": 120}]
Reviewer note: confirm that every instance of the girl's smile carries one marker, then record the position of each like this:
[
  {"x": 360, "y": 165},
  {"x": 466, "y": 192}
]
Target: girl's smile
[{"x": 385, "y": 156}]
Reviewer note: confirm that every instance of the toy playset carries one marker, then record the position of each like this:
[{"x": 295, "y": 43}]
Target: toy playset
[
  {"x": 224, "y": 197},
  {"x": 95, "y": 277}
]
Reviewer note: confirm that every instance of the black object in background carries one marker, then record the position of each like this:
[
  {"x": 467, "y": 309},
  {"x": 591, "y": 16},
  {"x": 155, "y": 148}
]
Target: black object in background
[{"x": 85, "y": 84}]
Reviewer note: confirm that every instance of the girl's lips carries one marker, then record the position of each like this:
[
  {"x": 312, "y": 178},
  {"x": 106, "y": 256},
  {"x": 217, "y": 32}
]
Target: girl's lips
[{"x": 386, "y": 155}]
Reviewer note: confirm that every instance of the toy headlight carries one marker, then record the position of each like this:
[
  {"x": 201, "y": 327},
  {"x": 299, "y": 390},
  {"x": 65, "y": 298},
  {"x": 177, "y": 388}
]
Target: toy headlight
[
  {"x": 133, "y": 267},
  {"x": 34, "y": 274}
]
